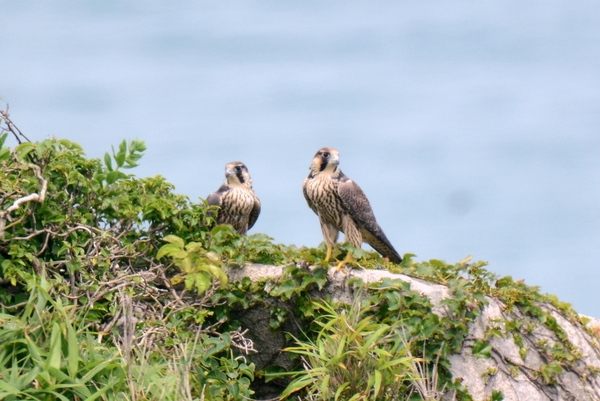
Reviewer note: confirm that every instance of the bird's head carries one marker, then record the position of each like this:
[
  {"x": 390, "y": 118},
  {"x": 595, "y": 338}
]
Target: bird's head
[
  {"x": 237, "y": 174},
  {"x": 325, "y": 160}
]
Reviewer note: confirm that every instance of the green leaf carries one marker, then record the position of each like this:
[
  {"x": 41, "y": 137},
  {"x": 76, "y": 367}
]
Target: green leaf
[
  {"x": 497, "y": 395},
  {"x": 73, "y": 350},
  {"x": 70, "y": 145},
  {"x": 54, "y": 356},
  {"x": 505, "y": 281},
  {"x": 285, "y": 290},
  {"x": 121, "y": 154},
  {"x": 340, "y": 390},
  {"x": 219, "y": 274},
  {"x": 108, "y": 162},
  {"x": 377, "y": 383},
  {"x": 296, "y": 385},
  {"x": 4, "y": 152},
  {"x": 197, "y": 281},
  {"x": 172, "y": 239},
  {"x": 24, "y": 149},
  {"x": 8, "y": 389},
  {"x": 114, "y": 176},
  {"x": 167, "y": 250},
  {"x": 136, "y": 149},
  {"x": 194, "y": 247},
  {"x": 482, "y": 349},
  {"x": 99, "y": 367}
]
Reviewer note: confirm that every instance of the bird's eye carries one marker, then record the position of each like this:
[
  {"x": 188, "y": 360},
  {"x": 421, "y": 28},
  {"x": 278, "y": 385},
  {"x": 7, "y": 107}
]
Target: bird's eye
[
  {"x": 238, "y": 168},
  {"x": 325, "y": 154}
]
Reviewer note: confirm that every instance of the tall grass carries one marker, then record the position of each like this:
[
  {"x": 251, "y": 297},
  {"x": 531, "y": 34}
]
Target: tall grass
[
  {"x": 48, "y": 352},
  {"x": 356, "y": 358},
  {"x": 43, "y": 356}
]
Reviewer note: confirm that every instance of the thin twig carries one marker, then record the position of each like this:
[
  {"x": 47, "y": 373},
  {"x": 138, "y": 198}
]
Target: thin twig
[{"x": 11, "y": 127}]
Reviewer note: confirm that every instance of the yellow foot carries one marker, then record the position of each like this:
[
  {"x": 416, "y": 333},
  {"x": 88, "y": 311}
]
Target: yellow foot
[
  {"x": 348, "y": 259},
  {"x": 329, "y": 251}
]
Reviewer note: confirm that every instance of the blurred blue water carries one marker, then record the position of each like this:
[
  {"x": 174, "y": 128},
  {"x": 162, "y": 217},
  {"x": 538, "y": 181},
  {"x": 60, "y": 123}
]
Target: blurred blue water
[{"x": 472, "y": 127}]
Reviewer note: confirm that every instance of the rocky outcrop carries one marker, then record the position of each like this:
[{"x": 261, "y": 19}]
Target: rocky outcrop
[
  {"x": 519, "y": 378},
  {"x": 523, "y": 368}
]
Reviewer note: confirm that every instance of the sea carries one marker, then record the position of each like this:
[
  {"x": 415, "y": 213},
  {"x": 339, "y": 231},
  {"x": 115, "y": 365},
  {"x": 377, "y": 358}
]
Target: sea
[{"x": 473, "y": 127}]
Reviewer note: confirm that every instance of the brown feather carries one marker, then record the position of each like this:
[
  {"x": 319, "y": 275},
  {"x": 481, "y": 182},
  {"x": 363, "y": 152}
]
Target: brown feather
[
  {"x": 238, "y": 205},
  {"x": 342, "y": 206},
  {"x": 357, "y": 205}
]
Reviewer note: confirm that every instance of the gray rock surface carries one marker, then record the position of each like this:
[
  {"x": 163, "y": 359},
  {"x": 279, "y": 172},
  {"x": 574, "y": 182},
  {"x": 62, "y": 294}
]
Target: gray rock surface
[{"x": 519, "y": 379}]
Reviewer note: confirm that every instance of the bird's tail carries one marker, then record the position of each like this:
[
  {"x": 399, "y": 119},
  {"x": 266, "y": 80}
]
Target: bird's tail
[{"x": 383, "y": 246}]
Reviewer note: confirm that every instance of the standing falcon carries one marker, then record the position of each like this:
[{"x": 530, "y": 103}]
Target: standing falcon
[
  {"x": 238, "y": 204},
  {"x": 342, "y": 206}
]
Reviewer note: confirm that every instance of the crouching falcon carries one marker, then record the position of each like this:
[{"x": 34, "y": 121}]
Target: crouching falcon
[
  {"x": 342, "y": 206},
  {"x": 238, "y": 204}
]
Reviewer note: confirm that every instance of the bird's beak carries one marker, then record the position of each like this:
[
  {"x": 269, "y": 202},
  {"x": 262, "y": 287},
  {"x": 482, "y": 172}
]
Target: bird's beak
[{"x": 229, "y": 172}]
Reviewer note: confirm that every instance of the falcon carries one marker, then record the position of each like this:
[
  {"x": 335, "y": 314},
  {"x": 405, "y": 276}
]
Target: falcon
[
  {"x": 342, "y": 206},
  {"x": 238, "y": 205}
]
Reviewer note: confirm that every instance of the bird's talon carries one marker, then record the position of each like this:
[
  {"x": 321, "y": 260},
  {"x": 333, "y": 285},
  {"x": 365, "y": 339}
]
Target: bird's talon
[{"x": 339, "y": 267}]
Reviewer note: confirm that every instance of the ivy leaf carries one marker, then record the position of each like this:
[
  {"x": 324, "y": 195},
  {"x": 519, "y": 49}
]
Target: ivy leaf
[
  {"x": 482, "y": 349},
  {"x": 285, "y": 290}
]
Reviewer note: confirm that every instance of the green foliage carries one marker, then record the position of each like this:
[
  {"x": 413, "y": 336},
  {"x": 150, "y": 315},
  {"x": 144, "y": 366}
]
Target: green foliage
[
  {"x": 225, "y": 378},
  {"x": 297, "y": 281},
  {"x": 525, "y": 309},
  {"x": 481, "y": 349},
  {"x": 91, "y": 264},
  {"x": 93, "y": 233},
  {"x": 4, "y": 151},
  {"x": 198, "y": 267},
  {"x": 353, "y": 358},
  {"x": 497, "y": 396},
  {"x": 44, "y": 356}
]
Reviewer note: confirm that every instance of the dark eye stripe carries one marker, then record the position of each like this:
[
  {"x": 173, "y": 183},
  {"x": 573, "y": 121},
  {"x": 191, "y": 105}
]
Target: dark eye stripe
[
  {"x": 323, "y": 164},
  {"x": 239, "y": 174}
]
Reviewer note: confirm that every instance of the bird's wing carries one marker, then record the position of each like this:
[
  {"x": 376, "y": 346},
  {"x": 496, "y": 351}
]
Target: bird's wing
[
  {"x": 254, "y": 213},
  {"x": 304, "y": 191},
  {"x": 356, "y": 203},
  {"x": 215, "y": 199}
]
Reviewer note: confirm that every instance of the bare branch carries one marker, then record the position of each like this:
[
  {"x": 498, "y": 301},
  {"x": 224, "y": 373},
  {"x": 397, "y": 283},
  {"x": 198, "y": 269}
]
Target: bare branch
[
  {"x": 11, "y": 127},
  {"x": 34, "y": 197}
]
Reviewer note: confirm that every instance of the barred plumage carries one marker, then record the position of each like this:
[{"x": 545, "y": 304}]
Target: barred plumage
[
  {"x": 342, "y": 206},
  {"x": 238, "y": 204}
]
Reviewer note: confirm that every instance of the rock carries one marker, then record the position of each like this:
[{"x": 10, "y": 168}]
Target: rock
[
  {"x": 269, "y": 344},
  {"x": 526, "y": 372}
]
